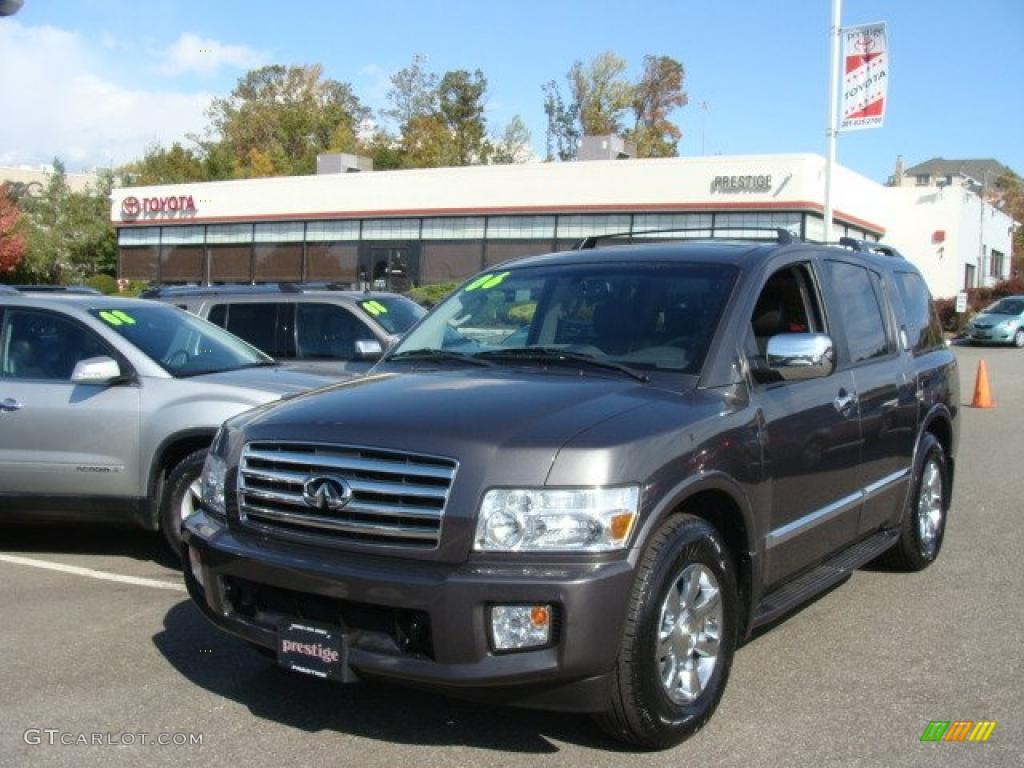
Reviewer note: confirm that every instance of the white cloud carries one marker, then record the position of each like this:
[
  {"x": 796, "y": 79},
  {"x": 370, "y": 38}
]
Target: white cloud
[
  {"x": 205, "y": 56},
  {"x": 57, "y": 102}
]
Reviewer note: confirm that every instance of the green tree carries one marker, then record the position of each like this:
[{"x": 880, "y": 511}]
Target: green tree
[
  {"x": 69, "y": 235},
  {"x": 413, "y": 92},
  {"x": 655, "y": 96},
  {"x": 173, "y": 165},
  {"x": 460, "y": 97},
  {"x": 563, "y": 133},
  {"x": 278, "y": 118},
  {"x": 601, "y": 93},
  {"x": 1010, "y": 191},
  {"x": 513, "y": 145}
]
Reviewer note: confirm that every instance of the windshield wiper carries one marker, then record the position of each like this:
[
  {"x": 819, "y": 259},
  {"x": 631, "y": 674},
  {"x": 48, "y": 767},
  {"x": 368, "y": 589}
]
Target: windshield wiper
[
  {"x": 438, "y": 354},
  {"x": 555, "y": 355}
]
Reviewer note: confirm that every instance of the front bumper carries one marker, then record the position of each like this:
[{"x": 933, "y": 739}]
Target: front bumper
[
  {"x": 996, "y": 335},
  {"x": 449, "y": 603}
]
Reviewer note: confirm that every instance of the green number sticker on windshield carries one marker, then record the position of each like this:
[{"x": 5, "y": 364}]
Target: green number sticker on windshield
[
  {"x": 374, "y": 307},
  {"x": 111, "y": 317},
  {"x": 487, "y": 281},
  {"x": 124, "y": 317}
]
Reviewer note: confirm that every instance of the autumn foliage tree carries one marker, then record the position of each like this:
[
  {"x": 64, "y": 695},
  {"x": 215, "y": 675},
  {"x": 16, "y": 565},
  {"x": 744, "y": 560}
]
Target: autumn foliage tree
[{"x": 12, "y": 238}]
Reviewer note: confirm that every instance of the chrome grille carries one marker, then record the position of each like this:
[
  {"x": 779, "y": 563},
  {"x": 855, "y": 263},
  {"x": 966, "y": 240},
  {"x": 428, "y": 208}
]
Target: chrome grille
[{"x": 397, "y": 499}]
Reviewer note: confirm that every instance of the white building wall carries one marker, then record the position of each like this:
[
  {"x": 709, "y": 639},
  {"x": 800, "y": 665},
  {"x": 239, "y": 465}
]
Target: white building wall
[{"x": 916, "y": 214}]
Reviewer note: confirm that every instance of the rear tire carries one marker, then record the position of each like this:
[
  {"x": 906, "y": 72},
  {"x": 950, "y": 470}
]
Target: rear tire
[
  {"x": 923, "y": 526},
  {"x": 679, "y": 638},
  {"x": 180, "y": 497}
]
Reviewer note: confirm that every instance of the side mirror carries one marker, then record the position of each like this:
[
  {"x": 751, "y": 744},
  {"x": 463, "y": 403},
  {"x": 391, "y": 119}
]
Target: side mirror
[
  {"x": 96, "y": 370},
  {"x": 369, "y": 349},
  {"x": 798, "y": 356}
]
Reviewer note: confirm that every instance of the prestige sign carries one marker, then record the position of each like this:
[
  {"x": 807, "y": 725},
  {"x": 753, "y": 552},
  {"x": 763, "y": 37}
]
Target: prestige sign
[
  {"x": 132, "y": 207},
  {"x": 741, "y": 184}
]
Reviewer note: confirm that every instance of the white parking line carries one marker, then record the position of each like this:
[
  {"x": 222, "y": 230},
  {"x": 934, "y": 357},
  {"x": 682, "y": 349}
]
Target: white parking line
[{"x": 90, "y": 573}]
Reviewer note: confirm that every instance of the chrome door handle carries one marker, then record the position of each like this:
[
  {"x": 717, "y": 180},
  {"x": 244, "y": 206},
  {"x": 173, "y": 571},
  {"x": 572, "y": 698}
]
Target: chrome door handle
[
  {"x": 10, "y": 404},
  {"x": 844, "y": 400}
]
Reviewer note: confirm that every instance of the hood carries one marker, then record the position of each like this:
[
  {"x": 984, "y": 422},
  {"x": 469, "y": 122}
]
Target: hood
[
  {"x": 454, "y": 413},
  {"x": 273, "y": 380}
]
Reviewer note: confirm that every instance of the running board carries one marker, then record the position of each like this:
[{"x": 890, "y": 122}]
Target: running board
[{"x": 831, "y": 572}]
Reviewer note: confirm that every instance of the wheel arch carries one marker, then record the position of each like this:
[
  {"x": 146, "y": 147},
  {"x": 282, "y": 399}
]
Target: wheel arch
[
  {"x": 720, "y": 501},
  {"x": 173, "y": 449}
]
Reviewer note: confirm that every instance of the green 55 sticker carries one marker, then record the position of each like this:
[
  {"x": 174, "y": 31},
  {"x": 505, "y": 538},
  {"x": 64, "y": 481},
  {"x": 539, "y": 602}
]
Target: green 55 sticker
[
  {"x": 116, "y": 317},
  {"x": 487, "y": 281}
]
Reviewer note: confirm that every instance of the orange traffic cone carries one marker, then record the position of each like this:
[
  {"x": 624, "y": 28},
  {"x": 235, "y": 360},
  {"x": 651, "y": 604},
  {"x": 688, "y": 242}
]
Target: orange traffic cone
[{"x": 982, "y": 395}]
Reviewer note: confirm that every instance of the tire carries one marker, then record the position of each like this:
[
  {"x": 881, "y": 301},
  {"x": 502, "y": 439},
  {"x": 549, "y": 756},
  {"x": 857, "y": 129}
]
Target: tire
[
  {"x": 643, "y": 708},
  {"x": 177, "y": 501},
  {"x": 921, "y": 539},
  {"x": 1018, "y": 338}
]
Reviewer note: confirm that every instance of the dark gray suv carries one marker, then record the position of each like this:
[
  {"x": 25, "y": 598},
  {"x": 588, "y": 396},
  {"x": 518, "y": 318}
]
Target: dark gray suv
[{"x": 585, "y": 477}]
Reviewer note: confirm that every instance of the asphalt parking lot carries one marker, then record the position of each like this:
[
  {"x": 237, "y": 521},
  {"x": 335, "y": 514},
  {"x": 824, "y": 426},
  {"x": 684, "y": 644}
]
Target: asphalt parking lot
[{"x": 852, "y": 679}]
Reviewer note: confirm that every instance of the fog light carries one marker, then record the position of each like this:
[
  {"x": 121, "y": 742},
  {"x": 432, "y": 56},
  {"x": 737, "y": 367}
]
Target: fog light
[
  {"x": 197, "y": 566},
  {"x": 520, "y": 626}
]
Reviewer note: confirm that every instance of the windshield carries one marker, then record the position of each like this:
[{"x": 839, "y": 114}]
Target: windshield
[
  {"x": 182, "y": 344},
  {"x": 1006, "y": 307},
  {"x": 654, "y": 317},
  {"x": 395, "y": 314}
]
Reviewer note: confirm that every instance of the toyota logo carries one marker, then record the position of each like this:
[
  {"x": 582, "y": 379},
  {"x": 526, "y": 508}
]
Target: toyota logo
[
  {"x": 326, "y": 494},
  {"x": 130, "y": 207}
]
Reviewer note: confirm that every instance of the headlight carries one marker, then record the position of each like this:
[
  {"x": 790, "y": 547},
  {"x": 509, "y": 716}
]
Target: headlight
[
  {"x": 564, "y": 519},
  {"x": 212, "y": 483}
]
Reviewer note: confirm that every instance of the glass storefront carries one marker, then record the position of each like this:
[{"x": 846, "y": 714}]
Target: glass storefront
[{"x": 417, "y": 250}]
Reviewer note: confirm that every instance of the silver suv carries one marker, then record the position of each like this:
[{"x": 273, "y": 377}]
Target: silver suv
[
  {"x": 107, "y": 405},
  {"x": 309, "y": 326}
]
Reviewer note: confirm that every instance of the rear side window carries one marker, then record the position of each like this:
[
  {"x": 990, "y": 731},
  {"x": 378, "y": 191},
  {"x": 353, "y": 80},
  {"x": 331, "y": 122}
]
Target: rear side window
[
  {"x": 219, "y": 315},
  {"x": 256, "y": 323},
  {"x": 923, "y": 328},
  {"x": 859, "y": 309}
]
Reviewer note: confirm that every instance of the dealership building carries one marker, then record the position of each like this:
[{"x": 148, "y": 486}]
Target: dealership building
[{"x": 445, "y": 224}]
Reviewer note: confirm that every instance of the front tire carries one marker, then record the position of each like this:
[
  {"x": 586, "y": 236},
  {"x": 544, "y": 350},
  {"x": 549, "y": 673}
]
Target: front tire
[
  {"x": 1018, "y": 338},
  {"x": 180, "y": 497},
  {"x": 679, "y": 638},
  {"x": 924, "y": 520}
]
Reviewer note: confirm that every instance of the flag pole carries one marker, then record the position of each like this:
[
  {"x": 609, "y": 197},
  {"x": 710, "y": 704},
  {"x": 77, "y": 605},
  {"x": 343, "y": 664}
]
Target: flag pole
[{"x": 833, "y": 95}]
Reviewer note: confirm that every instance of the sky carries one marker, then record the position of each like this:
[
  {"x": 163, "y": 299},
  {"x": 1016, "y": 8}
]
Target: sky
[{"x": 95, "y": 82}]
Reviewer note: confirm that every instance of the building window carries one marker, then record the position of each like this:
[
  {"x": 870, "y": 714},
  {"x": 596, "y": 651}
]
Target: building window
[
  {"x": 182, "y": 254},
  {"x": 140, "y": 253},
  {"x": 685, "y": 224},
  {"x": 391, "y": 229},
  {"x": 332, "y": 231},
  {"x": 577, "y": 226},
  {"x": 521, "y": 228},
  {"x": 969, "y": 276},
  {"x": 230, "y": 251},
  {"x": 454, "y": 228},
  {"x": 736, "y": 224},
  {"x": 996, "y": 264},
  {"x": 923, "y": 179}
]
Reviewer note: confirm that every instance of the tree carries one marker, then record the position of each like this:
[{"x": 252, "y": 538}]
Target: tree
[
  {"x": 277, "y": 119},
  {"x": 460, "y": 97},
  {"x": 1010, "y": 190},
  {"x": 656, "y": 95},
  {"x": 513, "y": 145},
  {"x": 12, "y": 238},
  {"x": 601, "y": 94},
  {"x": 69, "y": 235},
  {"x": 174, "y": 165},
  {"x": 413, "y": 92},
  {"x": 601, "y": 97}
]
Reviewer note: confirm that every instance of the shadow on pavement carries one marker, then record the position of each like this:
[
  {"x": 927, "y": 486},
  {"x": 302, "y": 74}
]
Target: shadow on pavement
[
  {"x": 74, "y": 539},
  {"x": 227, "y": 667}
]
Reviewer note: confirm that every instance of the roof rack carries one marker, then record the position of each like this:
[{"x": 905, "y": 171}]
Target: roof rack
[
  {"x": 781, "y": 235},
  {"x": 169, "y": 291},
  {"x": 869, "y": 246},
  {"x": 78, "y": 290}
]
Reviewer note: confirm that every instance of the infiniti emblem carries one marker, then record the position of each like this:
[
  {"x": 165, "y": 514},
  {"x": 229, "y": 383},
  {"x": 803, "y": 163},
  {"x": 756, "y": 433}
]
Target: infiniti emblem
[{"x": 326, "y": 493}]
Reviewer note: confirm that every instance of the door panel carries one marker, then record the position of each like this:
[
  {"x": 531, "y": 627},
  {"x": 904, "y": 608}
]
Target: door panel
[{"x": 812, "y": 451}]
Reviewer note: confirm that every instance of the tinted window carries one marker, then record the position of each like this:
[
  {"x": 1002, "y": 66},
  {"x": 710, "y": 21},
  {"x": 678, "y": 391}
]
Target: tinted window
[
  {"x": 256, "y": 323},
  {"x": 327, "y": 332},
  {"x": 219, "y": 315},
  {"x": 647, "y": 316},
  {"x": 859, "y": 309},
  {"x": 181, "y": 343},
  {"x": 923, "y": 328},
  {"x": 38, "y": 345},
  {"x": 395, "y": 314}
]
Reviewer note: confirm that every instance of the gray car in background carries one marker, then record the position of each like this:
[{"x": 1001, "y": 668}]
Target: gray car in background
[
  {"x": 107, "y": 406},
  {"x": 307, "y": 326}
]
